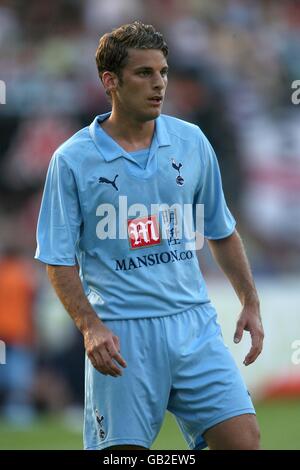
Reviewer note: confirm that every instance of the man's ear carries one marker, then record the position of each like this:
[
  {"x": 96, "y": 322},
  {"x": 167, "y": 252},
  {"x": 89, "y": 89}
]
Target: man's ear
[{"x": 110, "y": 81}]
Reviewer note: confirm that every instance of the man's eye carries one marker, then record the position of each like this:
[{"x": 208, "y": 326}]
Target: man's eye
[
  {"x": 144, "y": 73},
  {"x": 164, "y": 73}
]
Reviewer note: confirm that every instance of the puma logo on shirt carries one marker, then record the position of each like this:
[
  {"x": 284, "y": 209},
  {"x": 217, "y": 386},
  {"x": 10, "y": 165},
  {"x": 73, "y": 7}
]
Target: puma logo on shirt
[{"x": 105, "y": 180}]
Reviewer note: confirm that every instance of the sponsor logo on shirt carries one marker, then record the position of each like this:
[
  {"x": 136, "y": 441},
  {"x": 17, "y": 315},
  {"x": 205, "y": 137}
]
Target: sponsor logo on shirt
[
  {"x": 153, "y": 259},
  {"x": 143, "y": 231}
]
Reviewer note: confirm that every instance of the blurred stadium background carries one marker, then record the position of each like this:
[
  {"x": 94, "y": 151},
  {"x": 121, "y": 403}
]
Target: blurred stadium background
[{"x": 232, "y": 64}]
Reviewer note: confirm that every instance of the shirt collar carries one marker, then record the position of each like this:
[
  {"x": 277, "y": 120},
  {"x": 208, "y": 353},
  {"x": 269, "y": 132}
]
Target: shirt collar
[{"x": 111, "y": 150}]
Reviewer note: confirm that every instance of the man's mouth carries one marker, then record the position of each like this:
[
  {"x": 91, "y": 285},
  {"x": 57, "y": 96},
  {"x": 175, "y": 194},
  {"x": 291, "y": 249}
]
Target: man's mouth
[{"x": 156, "y": 100}]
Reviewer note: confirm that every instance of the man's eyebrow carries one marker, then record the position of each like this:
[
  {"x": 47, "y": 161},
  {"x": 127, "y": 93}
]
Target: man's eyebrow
[{"x": 146, "y": 67}]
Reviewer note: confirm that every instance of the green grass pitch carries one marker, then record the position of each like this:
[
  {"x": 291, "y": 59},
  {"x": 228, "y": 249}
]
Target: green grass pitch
[{"x": 279, "y": 422}]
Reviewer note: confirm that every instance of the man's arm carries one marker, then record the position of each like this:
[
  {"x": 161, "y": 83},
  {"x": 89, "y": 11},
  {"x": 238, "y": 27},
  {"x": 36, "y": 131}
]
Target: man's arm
[
  {"x": 101, "y": 345},
  {"x": 230, "y": 255}
]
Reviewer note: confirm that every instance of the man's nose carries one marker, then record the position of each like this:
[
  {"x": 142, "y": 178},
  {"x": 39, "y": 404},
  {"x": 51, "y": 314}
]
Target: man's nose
[{"x": 159, "y": 82}]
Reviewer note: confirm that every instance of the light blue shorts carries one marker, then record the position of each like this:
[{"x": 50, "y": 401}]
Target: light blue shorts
[{"x": 177, "y": 363}]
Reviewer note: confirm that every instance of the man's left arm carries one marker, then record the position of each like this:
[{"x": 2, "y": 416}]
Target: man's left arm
[{"x": 230, "y": 255}]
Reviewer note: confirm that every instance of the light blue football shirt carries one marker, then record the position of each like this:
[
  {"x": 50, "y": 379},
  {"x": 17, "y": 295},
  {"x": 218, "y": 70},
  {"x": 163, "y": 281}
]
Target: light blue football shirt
[
  {"x": 147, "y": 270},
  {"x": 141, "y": 157}
]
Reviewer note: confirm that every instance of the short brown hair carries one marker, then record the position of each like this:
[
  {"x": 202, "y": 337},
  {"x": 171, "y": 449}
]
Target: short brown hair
[{"x": 112, "y": 51}]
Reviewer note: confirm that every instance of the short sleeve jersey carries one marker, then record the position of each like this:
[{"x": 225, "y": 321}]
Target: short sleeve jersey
[{"x": 123, "y": 223}]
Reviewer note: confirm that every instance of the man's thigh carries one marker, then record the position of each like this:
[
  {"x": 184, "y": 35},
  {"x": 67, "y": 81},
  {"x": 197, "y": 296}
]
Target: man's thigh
[{"x": 238, "y": 433}]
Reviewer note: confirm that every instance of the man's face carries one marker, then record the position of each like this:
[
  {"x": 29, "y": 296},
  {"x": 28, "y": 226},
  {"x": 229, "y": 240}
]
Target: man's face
[{"x": 143, "y": 84}]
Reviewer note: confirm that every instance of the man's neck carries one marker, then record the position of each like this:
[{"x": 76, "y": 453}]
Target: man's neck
[{"x": 130, "y": 134}]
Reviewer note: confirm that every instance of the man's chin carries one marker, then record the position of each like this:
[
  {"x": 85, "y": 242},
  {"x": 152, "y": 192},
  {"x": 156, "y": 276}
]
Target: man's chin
[{"x": 153, "y": 114}]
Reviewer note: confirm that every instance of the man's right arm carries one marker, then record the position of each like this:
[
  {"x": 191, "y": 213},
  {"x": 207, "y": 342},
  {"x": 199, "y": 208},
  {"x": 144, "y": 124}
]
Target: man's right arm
[{"x": 101, "y": 345}]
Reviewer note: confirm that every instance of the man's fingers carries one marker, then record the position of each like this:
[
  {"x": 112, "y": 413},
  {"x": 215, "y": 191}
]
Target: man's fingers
[
  {"x": 239, "y": 331},
  {"x": 97, "y": 362},
  {"x": 120, "y": 360},
  {"x": 252, "y": 356},
  {"x": 117, "y": 356},
  {"x": 105, "y": 353},
  {"x": 109, "y": 364},
  {"x": 102, "y": 362},
  {"x": 257, "y": 337},
  {"x": 116, "y": 342},
  {"x": 256, "y": 348}
]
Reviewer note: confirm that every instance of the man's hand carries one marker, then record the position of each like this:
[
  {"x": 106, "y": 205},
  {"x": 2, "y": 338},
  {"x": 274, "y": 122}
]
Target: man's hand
[
  {"x": 103, "y": 348},
  {"x": 230, "y": 255},
  {"x": 250, "y": 320}
]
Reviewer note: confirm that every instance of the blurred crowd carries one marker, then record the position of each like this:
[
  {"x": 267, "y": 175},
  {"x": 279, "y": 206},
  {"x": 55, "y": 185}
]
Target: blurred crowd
[{"x": 232, "y": 64}]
